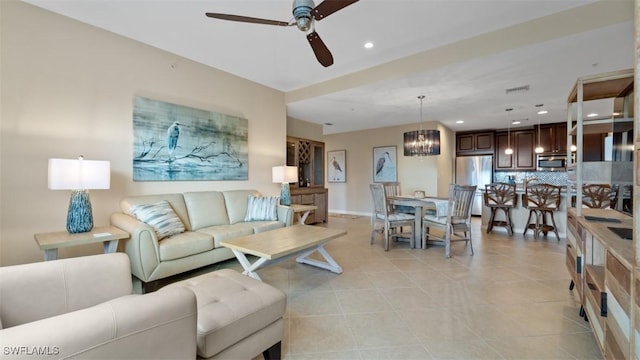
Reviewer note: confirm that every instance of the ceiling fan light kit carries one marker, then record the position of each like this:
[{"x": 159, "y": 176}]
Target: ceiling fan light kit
[{"x": 305, "y": 13}]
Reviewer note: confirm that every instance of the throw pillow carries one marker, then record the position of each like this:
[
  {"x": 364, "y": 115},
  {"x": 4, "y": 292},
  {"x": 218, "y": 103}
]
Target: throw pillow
[
  {"x": 262, "y": 208},
  {"x": 161, "y": 217}
]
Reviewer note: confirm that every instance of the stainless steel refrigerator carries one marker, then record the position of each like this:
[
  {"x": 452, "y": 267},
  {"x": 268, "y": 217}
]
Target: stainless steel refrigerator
[{"x": 475, "y": 170}]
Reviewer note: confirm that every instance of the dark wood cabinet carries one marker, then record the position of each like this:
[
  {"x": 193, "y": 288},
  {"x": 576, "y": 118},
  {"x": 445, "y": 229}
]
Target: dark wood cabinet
[
  {"x": 308, "y": 156},
  {"x": 553, "y": 138},
  {"x": 523, "y": 143},
  {"x": 593, "y": 147},
  {"x": 475, "y": 143}
]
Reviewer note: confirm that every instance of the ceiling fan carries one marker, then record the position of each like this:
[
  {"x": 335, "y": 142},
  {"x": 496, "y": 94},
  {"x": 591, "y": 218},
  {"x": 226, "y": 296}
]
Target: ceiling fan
[{"x": 304, "y": 14}]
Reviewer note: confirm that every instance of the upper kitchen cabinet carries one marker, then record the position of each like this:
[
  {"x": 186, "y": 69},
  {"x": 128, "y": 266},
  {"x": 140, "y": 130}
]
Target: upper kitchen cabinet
[
  {"x": 523, "y": 143},
  {"x": 476, "y": 143},
  {"x": 553, "y": 138}
]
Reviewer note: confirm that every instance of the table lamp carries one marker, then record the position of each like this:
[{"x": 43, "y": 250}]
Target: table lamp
[
  {"x": 284, "y": 175},
  {"x": 79, "y": 176}
]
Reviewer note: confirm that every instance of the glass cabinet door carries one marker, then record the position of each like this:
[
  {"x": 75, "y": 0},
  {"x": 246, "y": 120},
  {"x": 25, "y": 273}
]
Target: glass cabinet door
[{"x": 318, "y": 165}]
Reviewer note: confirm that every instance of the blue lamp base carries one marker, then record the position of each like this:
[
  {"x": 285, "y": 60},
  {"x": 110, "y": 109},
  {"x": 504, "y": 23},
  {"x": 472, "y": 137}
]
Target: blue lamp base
[
  {"x": 285, "y": 195},
  {"x": 79, "y": 216}
]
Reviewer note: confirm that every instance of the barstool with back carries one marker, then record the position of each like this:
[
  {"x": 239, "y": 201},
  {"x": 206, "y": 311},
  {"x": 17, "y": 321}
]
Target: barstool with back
[
  {"x": 500, "y": 196},
  {"x": 541, "y": 200}
]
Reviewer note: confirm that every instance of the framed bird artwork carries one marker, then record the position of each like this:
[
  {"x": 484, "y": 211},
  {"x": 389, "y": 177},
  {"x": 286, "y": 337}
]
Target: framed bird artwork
[
  {"x": 337, "y": 166},
  {"x": 384, "y": 164}
]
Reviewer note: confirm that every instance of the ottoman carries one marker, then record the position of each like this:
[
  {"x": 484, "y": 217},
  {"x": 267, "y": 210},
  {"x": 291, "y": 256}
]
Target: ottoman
[{"x": 238, "y": 317}]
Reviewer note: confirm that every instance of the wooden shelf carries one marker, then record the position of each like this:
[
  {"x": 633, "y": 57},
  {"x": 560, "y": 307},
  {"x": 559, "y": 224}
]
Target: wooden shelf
[
  {"x": 603, "y": 86},
  {"x": 604, "y": 126}
]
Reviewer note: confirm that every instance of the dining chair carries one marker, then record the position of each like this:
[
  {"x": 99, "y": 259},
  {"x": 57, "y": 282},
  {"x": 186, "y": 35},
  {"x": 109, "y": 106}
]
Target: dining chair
[
  {"x": 542, "y": 200},
  {"x": 391, "y": 221},
  {"x": 456, "y": 225},
  {"x": 500, "y": 196}
]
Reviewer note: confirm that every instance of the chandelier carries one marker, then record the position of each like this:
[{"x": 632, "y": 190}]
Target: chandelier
[{"x": 422, "y": 142}]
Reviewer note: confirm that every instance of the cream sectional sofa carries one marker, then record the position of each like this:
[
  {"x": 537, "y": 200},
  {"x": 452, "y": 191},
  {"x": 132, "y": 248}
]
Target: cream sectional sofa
[
  {"x": 208, "y": 218},
  {"x": 84, "y": 308}
]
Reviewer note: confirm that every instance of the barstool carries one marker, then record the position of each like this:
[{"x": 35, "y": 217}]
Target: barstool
[
  {"x": 500, "y": 196},
  {"x": 541, "y": 200}
]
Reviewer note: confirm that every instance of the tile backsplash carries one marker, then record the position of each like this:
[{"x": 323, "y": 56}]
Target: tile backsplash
[{"x": 556, "y": 178}]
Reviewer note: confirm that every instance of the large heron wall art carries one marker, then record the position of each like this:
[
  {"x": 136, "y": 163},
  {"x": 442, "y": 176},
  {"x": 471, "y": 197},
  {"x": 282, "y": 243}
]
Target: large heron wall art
[{"x": 175, "y": 143}]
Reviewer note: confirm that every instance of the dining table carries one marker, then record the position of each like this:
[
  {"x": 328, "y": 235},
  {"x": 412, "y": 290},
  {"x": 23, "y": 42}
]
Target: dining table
[{"x": 438, "y": 204}]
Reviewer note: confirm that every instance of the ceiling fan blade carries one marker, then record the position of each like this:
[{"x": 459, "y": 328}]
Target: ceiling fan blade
[
  {"x": 247, "y": 19},
  {"x": 328, "y": 7},
  {"x": 320, "y": 49}
]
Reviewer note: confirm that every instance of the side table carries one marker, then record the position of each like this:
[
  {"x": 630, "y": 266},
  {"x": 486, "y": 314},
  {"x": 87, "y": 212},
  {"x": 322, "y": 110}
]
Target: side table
[
  {"x": 51, "y": 242},
  {"x": 302, "y": 211}
]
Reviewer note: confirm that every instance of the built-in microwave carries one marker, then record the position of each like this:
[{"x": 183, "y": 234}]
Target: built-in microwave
[{"x": 551, "y": 162}]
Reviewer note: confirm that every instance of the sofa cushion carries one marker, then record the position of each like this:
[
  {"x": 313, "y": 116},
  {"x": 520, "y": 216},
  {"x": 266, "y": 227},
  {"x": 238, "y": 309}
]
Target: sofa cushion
[
  {"x": 236, "y": 202},
  {"x": 262, "y": 208},
  {"x": 160, "y": 216},
  {"x": 224, "y": 232},
  {"x": 185, "y": 244},
  {"x": 176, "y": 201},
  {"x": 206, "y": 208}
]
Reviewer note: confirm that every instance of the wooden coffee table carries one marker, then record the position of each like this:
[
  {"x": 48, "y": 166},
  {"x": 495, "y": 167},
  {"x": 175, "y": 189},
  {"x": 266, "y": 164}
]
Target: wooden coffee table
[{"x": 276, "y": 245}]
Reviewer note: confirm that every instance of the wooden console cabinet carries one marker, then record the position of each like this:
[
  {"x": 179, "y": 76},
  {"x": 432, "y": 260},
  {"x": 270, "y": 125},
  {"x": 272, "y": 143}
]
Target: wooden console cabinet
[{"x": 312, "y": 196}]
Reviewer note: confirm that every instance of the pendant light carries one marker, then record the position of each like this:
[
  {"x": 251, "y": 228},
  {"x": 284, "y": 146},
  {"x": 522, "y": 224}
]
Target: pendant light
[
  {"x": 539, "y": 149},
  {"x": 421, "y": 142},
  {"x": 508, "y": 150}
]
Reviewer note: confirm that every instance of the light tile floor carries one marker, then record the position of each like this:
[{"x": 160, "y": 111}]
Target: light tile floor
[{"x": 511, "y": 300}]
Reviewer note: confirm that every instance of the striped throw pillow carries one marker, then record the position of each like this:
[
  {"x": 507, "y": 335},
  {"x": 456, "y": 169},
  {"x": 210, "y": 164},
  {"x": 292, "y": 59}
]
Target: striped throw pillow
[
  {"x": 262, "y": 208},
  {"x": 160, "y": 216}
]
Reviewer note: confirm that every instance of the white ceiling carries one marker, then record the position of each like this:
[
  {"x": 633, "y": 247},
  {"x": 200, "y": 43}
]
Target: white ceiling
[{"x": 461, "y": 54}]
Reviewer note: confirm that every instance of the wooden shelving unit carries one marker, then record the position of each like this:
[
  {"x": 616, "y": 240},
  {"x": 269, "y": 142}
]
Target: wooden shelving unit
[{"x": 606, "y": 284}]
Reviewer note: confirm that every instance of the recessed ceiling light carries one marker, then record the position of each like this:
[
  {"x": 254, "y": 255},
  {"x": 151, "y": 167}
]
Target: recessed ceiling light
[
  {"x": 542, "y": 112},
  {"x": 515, "y": 122},
  {"x": 368, "y": 45},
  {"x": 592, "y": 115},
  {"x": 459, "y": 121}
]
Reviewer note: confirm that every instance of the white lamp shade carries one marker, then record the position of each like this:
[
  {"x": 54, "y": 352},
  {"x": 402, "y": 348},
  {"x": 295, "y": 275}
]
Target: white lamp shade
[
  {"x": 79, "y": 174},
  {"x": 284, "y": 174}
]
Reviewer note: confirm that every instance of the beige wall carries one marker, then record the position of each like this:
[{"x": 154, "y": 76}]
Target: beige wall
[
  {"x": 67, "y": 89},
  {"x": 433, "y": 174},
  {"x": 304, "y": 129}
]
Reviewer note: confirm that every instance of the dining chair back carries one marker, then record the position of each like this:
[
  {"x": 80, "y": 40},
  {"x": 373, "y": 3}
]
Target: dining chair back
[
  {"x": 542, "y": 200},
  {"x": 393, "y": 189},
  {"x": 391, "y": 221},
  {"x": 456, "y": 225},
  {"x": 500, "y": 196}
]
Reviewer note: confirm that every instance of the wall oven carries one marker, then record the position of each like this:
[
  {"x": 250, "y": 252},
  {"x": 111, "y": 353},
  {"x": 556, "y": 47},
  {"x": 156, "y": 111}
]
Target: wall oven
[{"x": 551, "y": 162}]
